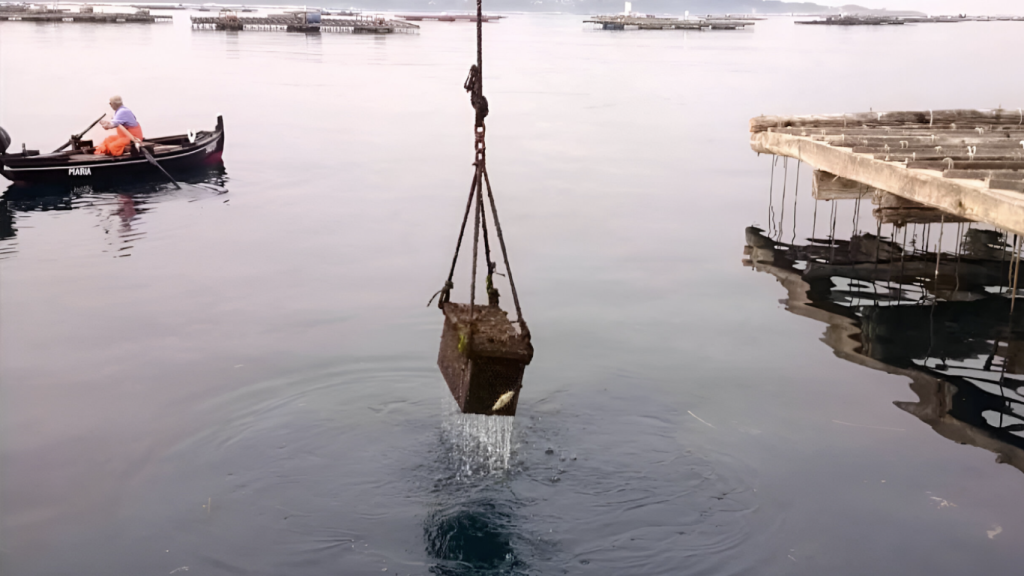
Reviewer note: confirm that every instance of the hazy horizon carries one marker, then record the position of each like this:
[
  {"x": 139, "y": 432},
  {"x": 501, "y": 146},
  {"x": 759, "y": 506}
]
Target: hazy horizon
[
  {"x": 975, "y": 7},
  {"x": 946, "y": 6}
]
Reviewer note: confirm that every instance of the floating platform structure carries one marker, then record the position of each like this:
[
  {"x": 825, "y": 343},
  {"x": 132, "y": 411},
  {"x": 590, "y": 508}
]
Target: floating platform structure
[
  {"x": 969, "y": 163},
  {"x": 84, "y": 15},
  {"x": 866, "y": 20},
  {"x": 854, "y": 21},
  {"x": 309, "y": 22},
  {"x": 445, "y": 17},
  {"x": 641, "y": 22}
]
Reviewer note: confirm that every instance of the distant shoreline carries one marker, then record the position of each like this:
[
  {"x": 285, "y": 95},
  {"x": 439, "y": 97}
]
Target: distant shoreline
[{"x": 517, "y": 7}]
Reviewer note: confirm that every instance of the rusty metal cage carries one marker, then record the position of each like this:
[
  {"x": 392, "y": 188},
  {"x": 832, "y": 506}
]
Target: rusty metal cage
[
  {"x": 483, "y": 359},
  {"x": 483, "y": 354}
]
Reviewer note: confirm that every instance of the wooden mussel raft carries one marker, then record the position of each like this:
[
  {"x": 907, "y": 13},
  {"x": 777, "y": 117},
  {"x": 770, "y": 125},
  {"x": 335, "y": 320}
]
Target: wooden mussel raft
[
  {"x": 483, "y": 354},
  {"x": 307, "y": 21},
  {"x": 85, "y": 14},
  {"x": 968, "y": 163}
]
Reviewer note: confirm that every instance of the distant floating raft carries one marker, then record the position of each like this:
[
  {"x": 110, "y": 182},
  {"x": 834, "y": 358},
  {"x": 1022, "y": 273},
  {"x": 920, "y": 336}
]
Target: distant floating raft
[
  {"x": 445, "y": 17},
  {"x": 483, "y": 360},
  {"x": 640, "y": 22},
  {"x": 308, "y": 22},
  {"x": 855, "y": 21},
  {"x": 84, "y": 15}
]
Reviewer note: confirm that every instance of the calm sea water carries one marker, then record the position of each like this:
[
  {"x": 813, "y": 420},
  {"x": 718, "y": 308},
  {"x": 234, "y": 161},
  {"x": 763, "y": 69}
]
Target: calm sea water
[{"x": 244, "y": 382}]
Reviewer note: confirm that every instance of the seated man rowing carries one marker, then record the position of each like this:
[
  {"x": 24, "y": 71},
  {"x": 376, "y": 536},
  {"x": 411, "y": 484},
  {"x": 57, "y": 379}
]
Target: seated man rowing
[{"x": 126, "y": 125}]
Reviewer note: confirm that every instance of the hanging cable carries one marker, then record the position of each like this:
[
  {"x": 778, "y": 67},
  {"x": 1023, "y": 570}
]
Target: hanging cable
[
  {"x": 814, "y": 226},
  {"x": 771, "y": 207},
  {"x": 1016, "y": 274},
  {"x": 782, "y": 213},
  {"x": 796, "y": 197}
]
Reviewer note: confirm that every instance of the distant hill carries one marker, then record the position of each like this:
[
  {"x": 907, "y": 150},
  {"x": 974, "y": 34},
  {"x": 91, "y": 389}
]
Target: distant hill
[{"x": 616, "y": 6}]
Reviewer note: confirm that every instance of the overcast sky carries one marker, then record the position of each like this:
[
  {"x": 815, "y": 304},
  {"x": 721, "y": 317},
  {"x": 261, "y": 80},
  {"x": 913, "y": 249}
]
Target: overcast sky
[{"x": 943, "y": 6}]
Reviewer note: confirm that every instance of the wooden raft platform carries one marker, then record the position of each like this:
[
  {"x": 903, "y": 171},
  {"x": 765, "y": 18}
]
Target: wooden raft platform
[
  {"x": 299, "y": 23},
  {"x": 624, "y": 22},
  {"x": 854, "y": 21},
  {"x": 445, "y": 17},
  {"x": 140, "y": 17},
  {"x": 969, "y": 163}
]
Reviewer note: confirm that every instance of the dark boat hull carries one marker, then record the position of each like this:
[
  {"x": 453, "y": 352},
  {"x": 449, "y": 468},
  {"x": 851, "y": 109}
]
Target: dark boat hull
[{"x": 206, "y": 150}]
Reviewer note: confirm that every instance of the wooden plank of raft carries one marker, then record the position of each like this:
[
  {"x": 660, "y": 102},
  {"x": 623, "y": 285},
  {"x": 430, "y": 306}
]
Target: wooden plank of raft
[
  {"x": 967, "y": 165},
  {"x": 926, "y": 117},
  {"x": 987, "y": 147},
  {"x": 992, "y": 130},
  {"x": 932, "y": 156},
  {"x": 1015, "y": 185},
  {"x": 923, "y": 141},
  {"x": 984, "y": 174}
]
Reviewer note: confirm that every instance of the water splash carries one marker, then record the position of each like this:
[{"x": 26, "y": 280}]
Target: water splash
[{"x": 477, "y": 445}]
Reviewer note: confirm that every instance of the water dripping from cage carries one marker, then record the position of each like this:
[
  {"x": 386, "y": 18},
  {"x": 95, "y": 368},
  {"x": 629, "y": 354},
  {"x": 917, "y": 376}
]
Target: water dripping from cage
[{"x": 477, "y": 446}]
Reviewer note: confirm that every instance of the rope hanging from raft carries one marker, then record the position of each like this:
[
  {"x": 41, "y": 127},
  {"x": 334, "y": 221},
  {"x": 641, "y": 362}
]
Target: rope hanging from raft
[{"x": 474, "y": 85}]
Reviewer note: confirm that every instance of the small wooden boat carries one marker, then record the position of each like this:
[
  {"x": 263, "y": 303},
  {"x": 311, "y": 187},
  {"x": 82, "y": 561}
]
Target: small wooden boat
[{"x": 79, "y": 166}]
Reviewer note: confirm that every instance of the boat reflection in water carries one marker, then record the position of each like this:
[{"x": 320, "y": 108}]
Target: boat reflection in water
[
  {"x": 120, "y": 208},
  {"x": 945, "y": 317}
]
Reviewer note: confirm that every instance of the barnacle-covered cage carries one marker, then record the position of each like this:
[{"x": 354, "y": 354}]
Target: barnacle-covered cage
[{"x": 483, "y": 359}]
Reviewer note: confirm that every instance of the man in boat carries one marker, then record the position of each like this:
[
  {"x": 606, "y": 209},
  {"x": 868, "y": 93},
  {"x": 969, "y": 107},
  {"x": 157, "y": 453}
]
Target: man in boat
[{"x": 126, "y": 126}]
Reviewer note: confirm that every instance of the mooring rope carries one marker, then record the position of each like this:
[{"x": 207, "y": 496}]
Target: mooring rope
[
  {"x": 903, "y": 260},
  {"x": 782, "y": 214},
  {"x": 796, "y": 197},
  {"x": 832, "y": 232},
  {"x": 814, "y": 226},
  {"x": 1016, "y": 275},
  {"x": 771, "y": 206},
  {"x": 938, "y": 249},
  {"x": 959, "y": 247},
  {"x": 856, "y": 215},
  {"x": 1013, "y": 251}
]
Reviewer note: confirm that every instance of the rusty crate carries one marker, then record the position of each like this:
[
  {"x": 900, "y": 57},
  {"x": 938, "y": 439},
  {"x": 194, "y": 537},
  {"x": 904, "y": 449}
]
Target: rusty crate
[{"x": 483, "y": 364}]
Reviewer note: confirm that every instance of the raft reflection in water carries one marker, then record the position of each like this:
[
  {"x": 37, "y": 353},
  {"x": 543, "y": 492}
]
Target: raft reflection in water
[{"x": 944, "y": 320}]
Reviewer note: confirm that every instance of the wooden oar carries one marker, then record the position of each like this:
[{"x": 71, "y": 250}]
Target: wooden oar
[
  {"x": 79, "y": 135},
  {"x": 149, "y": 156}
]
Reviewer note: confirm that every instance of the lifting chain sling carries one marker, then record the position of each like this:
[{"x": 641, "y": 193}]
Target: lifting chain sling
[{"x": 474, "y": 85}]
